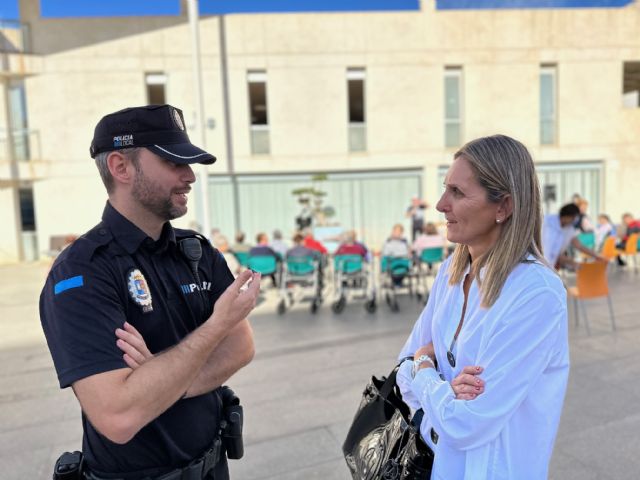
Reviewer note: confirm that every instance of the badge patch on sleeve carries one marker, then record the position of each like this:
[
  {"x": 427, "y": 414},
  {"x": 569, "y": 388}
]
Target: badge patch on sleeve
[{"x": 139, "y": 290}]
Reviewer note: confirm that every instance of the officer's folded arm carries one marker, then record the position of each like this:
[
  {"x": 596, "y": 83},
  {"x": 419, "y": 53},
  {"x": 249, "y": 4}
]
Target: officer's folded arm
[
  {"x": 235, "y": 351},
  {"x": 119, "y": 403}
]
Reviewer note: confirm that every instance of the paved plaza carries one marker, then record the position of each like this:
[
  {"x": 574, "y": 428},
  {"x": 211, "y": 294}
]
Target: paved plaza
[{"x": 304, "y": 385}]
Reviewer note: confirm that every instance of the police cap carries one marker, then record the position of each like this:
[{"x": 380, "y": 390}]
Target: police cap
[{"x": 159, "y": 128}]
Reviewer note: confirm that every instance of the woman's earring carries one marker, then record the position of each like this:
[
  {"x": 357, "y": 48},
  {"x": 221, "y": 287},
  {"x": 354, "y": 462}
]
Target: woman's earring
[{"x": 498, "y": 220}]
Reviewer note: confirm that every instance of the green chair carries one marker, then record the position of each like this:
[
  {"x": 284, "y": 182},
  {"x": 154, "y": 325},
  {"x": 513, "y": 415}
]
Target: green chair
[
  {"x": 263, "y": 264},
  {"x": 347, "y": 264},
  {"x": 304, "y": 265},
  {"x": 396, "y": 266},
  {"x": 432, "y": 255},
  {"x": 243, "y": 258},
  {"x": 588, "y": 239}
]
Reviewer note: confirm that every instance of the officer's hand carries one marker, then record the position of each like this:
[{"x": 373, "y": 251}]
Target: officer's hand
[
  {"x": 236, "y": 302},
  {"x": 133, "y": 345},
  {"x": 467, "y": 385}
]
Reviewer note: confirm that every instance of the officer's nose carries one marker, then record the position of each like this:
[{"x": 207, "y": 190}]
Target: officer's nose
[{"x": 188, "y": 175}]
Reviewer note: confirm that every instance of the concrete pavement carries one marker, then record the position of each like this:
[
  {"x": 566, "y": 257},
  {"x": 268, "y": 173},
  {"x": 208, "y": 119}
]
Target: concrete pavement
[{"x": 303, "y": 387}]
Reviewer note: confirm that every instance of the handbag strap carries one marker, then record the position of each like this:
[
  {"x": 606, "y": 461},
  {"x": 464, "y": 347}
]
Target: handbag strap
[{"x": 390, "y": 382}]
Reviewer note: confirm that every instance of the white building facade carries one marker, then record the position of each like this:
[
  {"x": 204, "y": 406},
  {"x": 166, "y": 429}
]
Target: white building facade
[{"x": 375, "y": 102}]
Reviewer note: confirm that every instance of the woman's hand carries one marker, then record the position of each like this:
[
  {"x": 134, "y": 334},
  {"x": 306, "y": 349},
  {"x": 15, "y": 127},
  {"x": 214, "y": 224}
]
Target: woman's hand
[
  {"x": 133, "y": 345},
  {"x": 467, "y": 385}
]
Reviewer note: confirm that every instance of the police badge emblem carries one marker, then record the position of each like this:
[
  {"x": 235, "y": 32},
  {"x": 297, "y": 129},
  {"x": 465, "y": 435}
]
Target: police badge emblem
[
  {"x": 178, "y": 119},
  {"x": 139, "y": 290}
]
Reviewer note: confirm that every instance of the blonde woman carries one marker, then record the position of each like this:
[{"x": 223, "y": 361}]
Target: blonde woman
[{"x": 495, "y": 326}]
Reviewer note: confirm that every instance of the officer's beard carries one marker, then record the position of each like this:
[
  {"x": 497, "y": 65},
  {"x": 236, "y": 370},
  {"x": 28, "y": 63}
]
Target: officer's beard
[{"x": 147, "y": 193}]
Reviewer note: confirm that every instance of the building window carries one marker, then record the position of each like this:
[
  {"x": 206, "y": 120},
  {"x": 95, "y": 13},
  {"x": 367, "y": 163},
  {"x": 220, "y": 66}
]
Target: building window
[
  {"x": 27, "y": 210},
  {"x": 357, "y": 118},
  {"x": 548, "y": 104},
  {"x": 452, "y": 106},
  {"x": 258, "y": 112},
  {"x": 156, "y": 88},
  {"x": 631, "y": 85},
  {"x": 19, "y": 121}
]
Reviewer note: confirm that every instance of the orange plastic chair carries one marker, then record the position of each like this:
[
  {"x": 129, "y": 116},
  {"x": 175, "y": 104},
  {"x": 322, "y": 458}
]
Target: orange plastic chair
[
  {"x": 609, "y": 250},
  {"x": 631, "y": 249},
  {"x": 591, "y": 282}
]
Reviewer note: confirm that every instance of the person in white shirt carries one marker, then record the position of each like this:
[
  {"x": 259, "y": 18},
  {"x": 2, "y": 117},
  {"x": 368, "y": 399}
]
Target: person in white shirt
[
  {"x": 558, "y": 232},
  {"x": 495, "y": 325}
]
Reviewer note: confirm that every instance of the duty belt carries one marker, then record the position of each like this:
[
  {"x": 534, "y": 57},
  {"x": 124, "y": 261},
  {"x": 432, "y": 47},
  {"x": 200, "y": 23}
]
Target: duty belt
[{"x": 196, "y": 470}]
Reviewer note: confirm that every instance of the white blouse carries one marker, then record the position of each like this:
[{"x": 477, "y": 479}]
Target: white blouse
[{"x": 508, "y": 431}]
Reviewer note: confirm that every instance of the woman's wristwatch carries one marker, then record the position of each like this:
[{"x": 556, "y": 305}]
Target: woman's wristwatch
[{"x": 419, "y": 361}]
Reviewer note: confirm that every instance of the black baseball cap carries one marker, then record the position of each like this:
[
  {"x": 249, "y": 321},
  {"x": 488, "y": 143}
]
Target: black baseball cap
[{"x": 159, "y": 128}]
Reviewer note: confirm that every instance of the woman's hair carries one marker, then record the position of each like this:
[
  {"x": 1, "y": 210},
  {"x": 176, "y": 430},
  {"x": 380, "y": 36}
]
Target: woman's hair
[{"x": 502, "y": 166}]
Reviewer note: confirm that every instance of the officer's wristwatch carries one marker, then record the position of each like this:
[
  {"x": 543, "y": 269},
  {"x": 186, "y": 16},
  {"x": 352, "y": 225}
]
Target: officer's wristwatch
[{"x": 419, "y": 361}]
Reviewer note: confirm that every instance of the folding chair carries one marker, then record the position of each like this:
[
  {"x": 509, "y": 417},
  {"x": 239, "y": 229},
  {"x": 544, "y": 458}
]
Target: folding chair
[
  {"x": 609, "y": 250},
  {"x": 591, "y": 282},
  {"x": 631, "y": 249}
]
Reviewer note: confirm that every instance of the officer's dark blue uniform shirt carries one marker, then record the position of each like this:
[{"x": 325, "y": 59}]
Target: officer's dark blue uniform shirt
[{"x": 116, "y": 273}]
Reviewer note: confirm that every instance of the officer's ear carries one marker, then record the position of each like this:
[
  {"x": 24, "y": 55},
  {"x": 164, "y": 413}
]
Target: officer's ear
[{"x": 120, "y": 167}]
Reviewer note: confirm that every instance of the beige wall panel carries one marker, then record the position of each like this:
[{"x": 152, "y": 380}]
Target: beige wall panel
[
  {"x": 65, "y": 108},
  {"x": 622, "y": 176},
  {"x": 405, "y": 111},
  {"x": 501, "y": 99},
  {"x": 8, "y": 239},
  {"x": 307, "y": 111},
  {"x": 589, "y": 103}
]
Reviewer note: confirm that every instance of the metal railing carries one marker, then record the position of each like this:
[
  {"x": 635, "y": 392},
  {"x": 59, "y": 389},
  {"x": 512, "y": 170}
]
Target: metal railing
[{"x": 26, "y": 145}]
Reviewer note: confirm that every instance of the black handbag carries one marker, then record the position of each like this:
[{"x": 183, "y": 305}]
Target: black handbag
[{"x": 382, "y": 442}]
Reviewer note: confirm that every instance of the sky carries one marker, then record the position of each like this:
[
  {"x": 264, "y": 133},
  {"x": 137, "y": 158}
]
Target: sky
[
  {"x": 80, "y": 8},
  {"x": 89, "y": 8}
]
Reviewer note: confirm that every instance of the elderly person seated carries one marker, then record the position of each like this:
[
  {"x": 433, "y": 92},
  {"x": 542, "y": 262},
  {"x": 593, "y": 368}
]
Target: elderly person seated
[
  {"x": 429, "y": 238},
  {"x": 222, "y": 244},
  {"x": 352, "y": 247},
  {"x": 396, "y": 245},
  {"x": 262, "y": 249}
]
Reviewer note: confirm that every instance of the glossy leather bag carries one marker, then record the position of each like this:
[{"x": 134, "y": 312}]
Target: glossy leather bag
[{"x": 382, "y": 443}]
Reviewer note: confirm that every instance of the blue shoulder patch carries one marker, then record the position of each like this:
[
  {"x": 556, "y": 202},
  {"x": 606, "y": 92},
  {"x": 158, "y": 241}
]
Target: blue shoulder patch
[{"x": 73, "y": 282}]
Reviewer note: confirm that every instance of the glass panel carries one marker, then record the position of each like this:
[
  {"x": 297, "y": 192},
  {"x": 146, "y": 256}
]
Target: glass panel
[
  {"x": 369, "y": 205},
  {"x": 221, "y": 207},
  {"x": 631, "y": 85},
  {"x": 547, "y": 132},
  {"x": 569, "y": 179},
  {"x": 452, "y": 97},
  {"x": 19, "y": 124},
  {"x": 356, "y": 101},
  {"x": 258, "y": 103},
  {"x": 156, "y": 94},
  {"x": 30, "y": 246},
  {"x": 547, "y": 108},
  {"x": 27, "y": 210},
  {"x": 452, "y": 134},
  {"x": 357, "y": 138},
  {"x": 546, "y": 95},
  {"x": 260, "y": 141}
]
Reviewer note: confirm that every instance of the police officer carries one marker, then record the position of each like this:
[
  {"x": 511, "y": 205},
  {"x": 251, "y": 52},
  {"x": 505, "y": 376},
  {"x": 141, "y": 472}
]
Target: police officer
[{"x": 136, "y": 284}]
